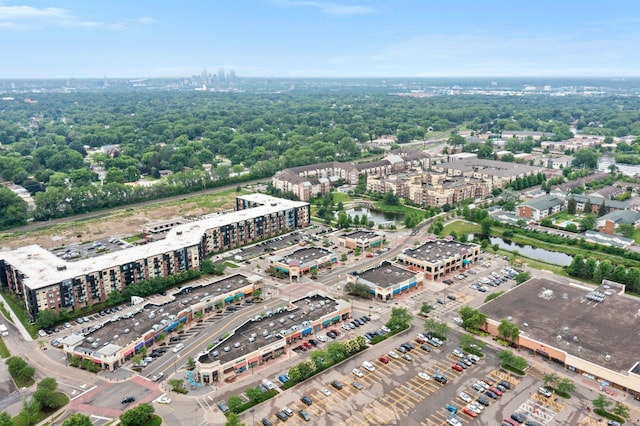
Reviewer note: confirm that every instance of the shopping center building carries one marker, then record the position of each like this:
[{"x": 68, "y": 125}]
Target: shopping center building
[{"x": 592, "y": 332}]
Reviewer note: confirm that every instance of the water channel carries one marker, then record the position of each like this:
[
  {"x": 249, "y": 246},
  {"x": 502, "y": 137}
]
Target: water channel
[{"x": 552, "y": 257}]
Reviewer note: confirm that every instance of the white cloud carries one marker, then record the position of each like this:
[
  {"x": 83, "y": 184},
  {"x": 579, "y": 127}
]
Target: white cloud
[
  {"x": 24, "y": 18},
  {"x": 331, "y": 8}
]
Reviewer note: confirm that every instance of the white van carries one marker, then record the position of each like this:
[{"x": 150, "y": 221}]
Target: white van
[{"x": 178, "y": 347}]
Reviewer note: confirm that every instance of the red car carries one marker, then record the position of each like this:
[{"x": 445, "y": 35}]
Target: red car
[
  {"x": 384, "y": 360},
  {"x": 469, "y": 412},
  {"x": 456, "y": 367},
  {"x": 509, "y": 421},
  {"x": 495, "y": 390},
  {"x": 420, "y": 340},
  {"x": 487, "y": 381}
]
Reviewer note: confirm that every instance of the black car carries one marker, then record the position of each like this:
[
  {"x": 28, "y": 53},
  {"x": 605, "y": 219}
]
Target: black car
[
  {"x": 491, "y": 394},
  {"x": 484, "y": 401},
  {"x": 331, "y": 334},
  {"x": 304, "y": 415},
  {"x": 282, "y": 416},
  {"x": 306, "y": 400},
  {"x": 532, "y": 423},
  {"x": 505, "y": 384},
  {"x": 267, "y": 422},
  {"x": 128, "y": 399},
  {"x": 451, "y": 297},
  {"x": 175, "y": 339},
  {"x": 426, "y": 348},
  {"x": 440, "y": 379},
  {"x": 518, "y": 417},
  {"x": 336, "y": 384}
]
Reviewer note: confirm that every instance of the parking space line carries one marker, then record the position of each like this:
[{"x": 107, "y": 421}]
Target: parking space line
[{"x": 408, "y": 395}]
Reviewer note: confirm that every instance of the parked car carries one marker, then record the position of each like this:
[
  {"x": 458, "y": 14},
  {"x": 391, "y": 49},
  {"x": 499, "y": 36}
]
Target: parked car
[
  {"x": 306, "y": 400},
  {"x": 518, "y": 417},
  {"x": 336, "y": 384},
  {"x": 456, "y": 367},
  {"x": 304, "y": 415},
  {"x": 383, "y": 359},
  {"x": 367, "y": 365},
  {"x": 543, "y": 391},
  {"x": 287, "y": 411},
  {"x": 357, "y": 372}
]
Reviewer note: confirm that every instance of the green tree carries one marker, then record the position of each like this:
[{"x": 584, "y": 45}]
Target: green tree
[
  {"x": 626, "y": 230},
  {"x": 137, "y": 416},
  {"x": 233, "y": 420},
  {"x": 176, "y": 384},
  {"x": 191, "y": 363},
  {"x": 588, "y": 222},
  {"x": 76, "y": 419},
  {"x": 13, "y": 209},
  {"x": 19, "y": 369},
  {"x": 46, "y": 393},
  {"x": 621, "y": 410},
  {"x": 565, "y": 386},
  {"x": 469, "y": 340},
  {"x": 601, "y": 402},
  {"x": 6, "y": 420},
  {"x": 486, "y": 224},
  {"x": 522, "y": 277},
  {"x": 508, "y": 330},
  {"x": 30, "y": 411},
  {"x": 254, "y": 394},
  {"x": 46, "y": 318},
  {"x": 400, "y": 319},
  {"x": 571, "y": 206},
  {"x": 472, "y": 319},
  {"x": 426, "y": 308},
  {"x": 234, "y": 402},
  {"x": 551, "y": 379}
]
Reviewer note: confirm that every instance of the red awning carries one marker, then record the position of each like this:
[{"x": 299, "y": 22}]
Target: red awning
[{"x": 254, "y": 360}]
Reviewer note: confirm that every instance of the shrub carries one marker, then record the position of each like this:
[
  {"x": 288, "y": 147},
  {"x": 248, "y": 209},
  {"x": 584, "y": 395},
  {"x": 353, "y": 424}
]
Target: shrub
[{"x": 607, "y": 415}]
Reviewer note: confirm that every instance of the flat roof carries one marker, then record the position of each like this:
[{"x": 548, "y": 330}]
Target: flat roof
[
  {"x": 587, "y": 329},
  {"x": 489, "y": 167},
  {"x": 264, "y": 331},
  {"x": 306, "y": 255},
  {"x": 42, "y": 268},
  {"x": 386, "y": 275},
  {"x": 434, "y": 251},
  {"x": 363, "y": 235},
  {"x": 145, "y": 315}
]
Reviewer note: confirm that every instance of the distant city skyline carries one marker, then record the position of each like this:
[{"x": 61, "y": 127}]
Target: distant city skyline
[{"x": 313, "y": 38}]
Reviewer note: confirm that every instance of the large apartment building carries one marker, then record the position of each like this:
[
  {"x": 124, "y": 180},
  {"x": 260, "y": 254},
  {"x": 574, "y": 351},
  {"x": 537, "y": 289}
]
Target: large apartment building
[
  {"x": 318, "y": 179},
  {"x": 45, "y": 281},
  {"x": 431, "y": 189},
  {"x": 499, "y": 173}
]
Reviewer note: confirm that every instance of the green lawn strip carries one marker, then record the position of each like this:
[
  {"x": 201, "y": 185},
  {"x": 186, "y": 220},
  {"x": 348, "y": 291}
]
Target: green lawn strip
[
  {"x": 379, "y": 205},
  {"x": 4, "y": 351},
  {"x": 18, "y": 308},
  {"x": 154, "y": 421}
]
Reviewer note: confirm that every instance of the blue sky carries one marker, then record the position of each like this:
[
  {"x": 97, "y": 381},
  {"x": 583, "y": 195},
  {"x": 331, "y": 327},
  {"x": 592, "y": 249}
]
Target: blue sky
[{"x": 313, "y": 38}]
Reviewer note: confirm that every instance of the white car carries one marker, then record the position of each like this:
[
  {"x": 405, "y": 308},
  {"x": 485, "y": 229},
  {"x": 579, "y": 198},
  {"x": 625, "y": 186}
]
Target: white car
[
  {"x": 463, "y": 396},
  {"x": 458, "y": 353},
  {"x": 326, "y": 391},
  {"x": 458, "y": 320},
  {"x": 474, "y": 408},
  {"x": 424, "y": 376},
  {"x": 394, "y": 355},
  {"x": 367, "y": 365},
  {"x": 357, "y": 372},
  {"x": 321, "y": 339},
  {"x": 385, "y": 329},
  {"x": 477, "y": 407},
  {"x": 544, "y": 392},
  {"x": 482, "y": 384},
  {"x": 476, "y": 358},
  {"x": 453, "y": 421},
  {"x": 163, "y": 400}
]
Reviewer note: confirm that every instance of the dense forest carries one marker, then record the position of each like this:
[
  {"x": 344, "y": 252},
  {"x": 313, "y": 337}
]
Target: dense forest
[{"x": 52, "y": 142}]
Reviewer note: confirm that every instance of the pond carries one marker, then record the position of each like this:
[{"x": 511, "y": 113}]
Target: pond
[
  {"x": 376, "y": 216},
  {"x": 552, "y": 257}
]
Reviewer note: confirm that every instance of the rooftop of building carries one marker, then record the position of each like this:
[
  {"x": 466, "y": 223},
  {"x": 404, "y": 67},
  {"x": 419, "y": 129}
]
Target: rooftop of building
[
  {"x": 437, "y": 250},
  {"x": 265, "y": 328},
  {"x": 621, "y": 216},
  {"x": 490, "y": 167},
  {"x": 544, "y": 202},
  {"x": 386, "y": 275},
  {"x": 306, "y": 254},
  {"x": 117, "y": 329},
  {"x": 562, "y": 316},
  {"x": 361, "y": 235},
  {"x": 42, "y": 268}
]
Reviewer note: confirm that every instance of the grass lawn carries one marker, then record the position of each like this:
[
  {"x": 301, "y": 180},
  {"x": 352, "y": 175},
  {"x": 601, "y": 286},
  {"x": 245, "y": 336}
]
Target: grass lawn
[
  {"x": 636, "y": 236},
  {"x": 231, "y": 265},
  {"x": 4, "y": 352},
  {"x": 154, "y": 421},
  {"x": 43, "y": 414},
  {"x": 341, "y": 197},
  {"x": 461, "y": 227},
  {"x": 396, "y": 209}
]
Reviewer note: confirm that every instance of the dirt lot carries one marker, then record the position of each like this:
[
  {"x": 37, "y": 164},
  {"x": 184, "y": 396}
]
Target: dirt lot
[{"x": 119, "y": 223}]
